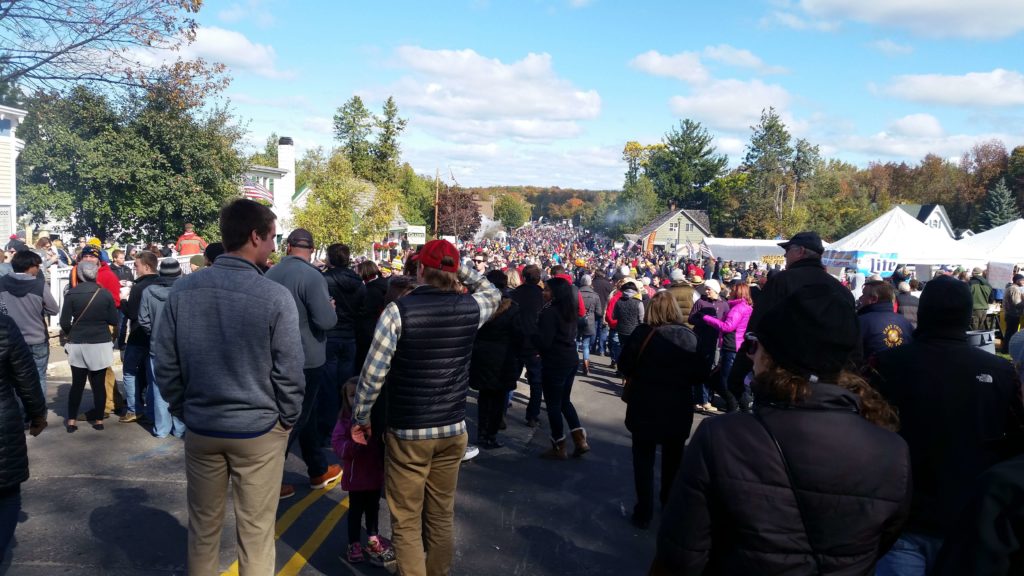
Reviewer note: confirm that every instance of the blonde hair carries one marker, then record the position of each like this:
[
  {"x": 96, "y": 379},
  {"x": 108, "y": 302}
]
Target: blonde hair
[
  {"x": 514, "y": 280},
  {"x": 663, "y": 309},
  {"x": 346, "y": 406}
]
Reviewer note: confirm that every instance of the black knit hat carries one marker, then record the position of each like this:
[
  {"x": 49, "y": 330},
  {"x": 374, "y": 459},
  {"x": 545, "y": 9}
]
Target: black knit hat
[
  {"x": 811, "y": 333},
  {"x": 170, "y": 267},
  {"x": 945, "y": 306}
]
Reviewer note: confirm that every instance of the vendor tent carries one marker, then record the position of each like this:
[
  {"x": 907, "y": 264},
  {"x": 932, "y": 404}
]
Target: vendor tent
[
  {"x": 745, "y": 250},
  {"x": 891, "y": 239},
  {"x": 1001, "y": 244}
]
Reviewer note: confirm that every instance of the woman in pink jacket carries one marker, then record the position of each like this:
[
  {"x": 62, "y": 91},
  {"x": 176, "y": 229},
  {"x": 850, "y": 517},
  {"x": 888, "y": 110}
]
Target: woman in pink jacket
[{"x": 733, "y": 329}]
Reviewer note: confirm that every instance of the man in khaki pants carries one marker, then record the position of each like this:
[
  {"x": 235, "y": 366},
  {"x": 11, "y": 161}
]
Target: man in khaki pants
[
  {"x": 422, "y": 347},
  {"x": 228, "y": 357}
]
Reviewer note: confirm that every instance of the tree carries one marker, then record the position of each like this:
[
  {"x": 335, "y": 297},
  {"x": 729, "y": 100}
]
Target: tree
[
  {"x": 511, "y": 210},
  {"x": 635, "y": 156},
  {"x": 458, "y": 213},
  {"x": 53, "y": 45},
  {"x": 684, "y": 165},
  {"x": 1000, "y": 207},
  {"x": 1015, "y": 174},
  {"x": 268, "y": 157},
  {"x": 806, "y": 158},
  {"x": 416, "y": 197},
  {"x": 138, "y": 171},
  {"x": 769, "y": 160},
  {"x": 343, "y": 208},
  {"x": 635, "y": 207},
  {"x": 353, "y": 126},
  {"x": 983, "y": 166},
  {"x": 313, "y": 159},
  {"x": 386, "y": 150}
]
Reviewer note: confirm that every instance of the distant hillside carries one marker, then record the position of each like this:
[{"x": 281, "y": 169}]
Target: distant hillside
[{"x": 549, "y": 201}]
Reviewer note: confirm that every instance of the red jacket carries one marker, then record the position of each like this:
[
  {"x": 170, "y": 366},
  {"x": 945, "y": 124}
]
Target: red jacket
[
  {"x": 581, "y": 309},
  {"x": 104, "y": 277}
]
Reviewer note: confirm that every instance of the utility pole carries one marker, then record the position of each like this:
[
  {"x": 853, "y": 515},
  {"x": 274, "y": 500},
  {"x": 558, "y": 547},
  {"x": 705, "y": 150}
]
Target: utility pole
[{"x": 437, "y": 197}]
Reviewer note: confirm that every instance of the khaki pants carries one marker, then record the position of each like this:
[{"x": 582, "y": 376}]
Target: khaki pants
[
  {"x": 254, "y": 466},
  {"x": 109, "y": 384},
  {"x": 421, "y": 480}
]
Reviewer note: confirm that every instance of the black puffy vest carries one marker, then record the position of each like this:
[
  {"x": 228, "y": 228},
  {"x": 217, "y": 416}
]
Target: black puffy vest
[{"x": 429, "y": 375}]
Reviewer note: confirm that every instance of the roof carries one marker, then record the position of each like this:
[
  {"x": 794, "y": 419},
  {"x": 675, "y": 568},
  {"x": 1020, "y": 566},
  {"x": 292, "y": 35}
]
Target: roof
[
  {"x": 267, "y": 170},
  {"x": 698, "y": 217},
  {"x": 922, "y": 211}
]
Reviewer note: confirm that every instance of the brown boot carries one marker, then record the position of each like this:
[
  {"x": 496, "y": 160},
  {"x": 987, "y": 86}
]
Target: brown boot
[
  {"x": 579, "y": 438},
  {"x": 557, "y": 451}
]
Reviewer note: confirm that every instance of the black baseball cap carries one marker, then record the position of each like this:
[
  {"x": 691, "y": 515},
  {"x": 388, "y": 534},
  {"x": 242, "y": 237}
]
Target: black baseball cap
[
  {"x": 809, "y": 240},
  {"x": 90, "y": 251},
  {"x": 301, "y": 238}
]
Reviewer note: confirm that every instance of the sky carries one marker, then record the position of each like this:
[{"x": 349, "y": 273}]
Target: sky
[{"x": 547, "y": 92}]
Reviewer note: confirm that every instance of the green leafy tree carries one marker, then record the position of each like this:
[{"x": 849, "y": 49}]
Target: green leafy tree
[
  {"x": 268, "y": 156},
  {"x": 684, "y": 165},
  {"x": 313, "y": 160},
  {"x": 1000, "y": 207},
  {"x": 386, "y": 150},
  {"x": 635, "y": 207},
  {"x": 134, "y": 172},
  {"x": 769, "y": 161},
  {"x": 416, "y": 197},
  {"x": 512, "y": 210},
  {"x": 353, "y": 128},
  {"x": 1015, "y": 174}
]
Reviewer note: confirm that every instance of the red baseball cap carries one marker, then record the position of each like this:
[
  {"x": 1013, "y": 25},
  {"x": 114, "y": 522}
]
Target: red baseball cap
[{"x": 433, "y": 253}]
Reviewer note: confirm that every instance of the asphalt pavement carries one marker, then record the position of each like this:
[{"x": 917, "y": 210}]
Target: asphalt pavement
[{"x": 112, "y": 502}]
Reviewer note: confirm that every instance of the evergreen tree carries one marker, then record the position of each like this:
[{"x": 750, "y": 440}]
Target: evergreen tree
[
  {"x": 769, "y": 161},
  {"x": 386, "y": 150},
  {"x": 353, "y": 126},
  {"x": 684, "y": 165},
  {"x": 1000, "y": 207}
]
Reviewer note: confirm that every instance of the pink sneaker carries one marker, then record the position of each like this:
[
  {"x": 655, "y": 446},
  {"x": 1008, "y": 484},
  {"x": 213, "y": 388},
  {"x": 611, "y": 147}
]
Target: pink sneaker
[
  {"x": 380, "y": 550},
  {"x": 355, "y": 553}
]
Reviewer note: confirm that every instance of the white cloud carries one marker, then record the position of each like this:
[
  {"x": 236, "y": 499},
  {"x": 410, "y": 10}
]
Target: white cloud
[
  {"x": 740, "y": 58},
  {"x": 255, "y": 10},
  {"x": 912, "y": 148},
  {"x": 790, "y": 20},
  {"x": 732, "y": 105},
  {"x": 685, "y": 66},
  {"x": 935, "y": 18},
  {"x": 891, "y": 48},
  {"x": 733, "y": 147},
  {"x": 917, "y": 126},
  {"x": 466, "y": 96},
  {"x": 976, "y": 89},
  {"x": 236, "y": 51}
]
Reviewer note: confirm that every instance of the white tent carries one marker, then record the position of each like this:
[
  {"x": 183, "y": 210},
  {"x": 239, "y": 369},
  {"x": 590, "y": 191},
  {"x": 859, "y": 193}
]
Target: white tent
[
  {"x": 745, "y": 250},
  {"x": 895, "y": 238},
  {"x": 1001, "y": 244}
]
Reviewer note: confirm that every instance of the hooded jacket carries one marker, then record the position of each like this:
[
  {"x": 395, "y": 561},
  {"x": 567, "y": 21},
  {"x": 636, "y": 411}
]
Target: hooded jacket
[
  {"x": 734, "y": 327},
  {"x": 629, "y": 312},
  {"x": 734, "y": 509},
  {"x": 18, "y": 379},
  {"x": 153, "y": 300},
  {"x": 28, "y": 303}
]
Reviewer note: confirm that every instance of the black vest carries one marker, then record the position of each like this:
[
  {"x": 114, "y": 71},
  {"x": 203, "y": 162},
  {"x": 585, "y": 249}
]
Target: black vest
[{"x": 429, "y": 375}]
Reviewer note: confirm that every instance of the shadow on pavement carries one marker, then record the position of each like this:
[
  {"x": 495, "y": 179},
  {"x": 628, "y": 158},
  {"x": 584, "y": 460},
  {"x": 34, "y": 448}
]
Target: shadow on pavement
[{"x": 134, "y": 531}]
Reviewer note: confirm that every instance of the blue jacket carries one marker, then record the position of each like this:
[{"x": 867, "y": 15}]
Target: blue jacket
[
  {"x": 882, "y": 329},
  {"x": 228, "y": 353}
]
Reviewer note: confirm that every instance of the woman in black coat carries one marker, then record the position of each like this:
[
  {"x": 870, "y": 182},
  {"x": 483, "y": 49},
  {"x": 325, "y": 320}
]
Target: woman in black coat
[
  {"x": 555, "y": 339},
  {"x": 661, "y": 364},
  {"x": 86, "y": 317},
  {"x": 814, "y": 482},
  {"x": 494, "y": 369}
]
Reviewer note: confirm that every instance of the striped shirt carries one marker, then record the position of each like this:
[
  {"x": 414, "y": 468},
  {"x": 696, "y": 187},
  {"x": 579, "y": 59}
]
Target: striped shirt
[{"x": 382, "y": 350}]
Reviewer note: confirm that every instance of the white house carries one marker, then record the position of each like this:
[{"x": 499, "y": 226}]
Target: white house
[
  {"x": 10, "y": 147},
  {"x": 931, "y": 215},
  {"x": 275, "y": 185}
]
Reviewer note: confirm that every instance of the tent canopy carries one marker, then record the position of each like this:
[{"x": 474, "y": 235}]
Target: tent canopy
[
  {"x": 1001, "y": 244},
  {"x": 897, "y": 237},
  {"x": 744, "y": 250}
]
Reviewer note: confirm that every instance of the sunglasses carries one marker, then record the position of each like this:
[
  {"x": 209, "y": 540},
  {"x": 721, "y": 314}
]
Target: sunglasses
[{"x": 752, "y": 343}]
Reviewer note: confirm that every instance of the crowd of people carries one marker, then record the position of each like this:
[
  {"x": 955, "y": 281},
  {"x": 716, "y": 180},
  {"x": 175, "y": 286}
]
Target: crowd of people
[{"x": 850, "y": 426}]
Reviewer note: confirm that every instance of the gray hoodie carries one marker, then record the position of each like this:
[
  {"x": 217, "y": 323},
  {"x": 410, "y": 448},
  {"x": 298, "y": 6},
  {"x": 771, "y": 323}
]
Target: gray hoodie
[
  {"x": 28, "y": 302},
  {"x": 316, "y": 315}
]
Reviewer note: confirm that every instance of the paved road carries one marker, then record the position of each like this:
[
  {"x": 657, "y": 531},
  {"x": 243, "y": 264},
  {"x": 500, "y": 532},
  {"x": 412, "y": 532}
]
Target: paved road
[{"x": 113, "y": 503}]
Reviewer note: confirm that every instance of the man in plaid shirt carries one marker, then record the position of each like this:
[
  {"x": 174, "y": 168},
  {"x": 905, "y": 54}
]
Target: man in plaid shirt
[{"x": 422, "y": 348}]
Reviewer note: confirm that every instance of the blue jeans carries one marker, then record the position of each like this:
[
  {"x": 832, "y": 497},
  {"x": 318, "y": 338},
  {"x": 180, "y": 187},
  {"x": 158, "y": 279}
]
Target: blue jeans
[
  {"x": 305, "y": 430},
  {"x": 602, "y": 338},
  {"x": 614, "y": 345},
  {"x": 557, "y": 392},
  {"x": 911, "y": 555},
  {"x": 10, "y": 509},
  {"x": 163, "y": 422},
  {"x": 587, "y": 342},
  {"x": 41, "y": 355},
  {"x": 135, "y": 359},
  {"x": 340, "y": 366},
  {"x": 533, "y": 377}
]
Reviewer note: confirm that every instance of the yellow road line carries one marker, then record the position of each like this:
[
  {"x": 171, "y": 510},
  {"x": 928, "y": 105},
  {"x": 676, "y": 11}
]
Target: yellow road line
[
  {"x": 289, "y": 517},
  {"x": 298, "y": 560}
]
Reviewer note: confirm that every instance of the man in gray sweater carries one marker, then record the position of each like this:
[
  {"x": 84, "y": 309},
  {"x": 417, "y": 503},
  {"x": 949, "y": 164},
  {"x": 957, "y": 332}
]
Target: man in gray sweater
[
  {"x": 316, "y": 315},
  {"x": 228, "y": 360}
]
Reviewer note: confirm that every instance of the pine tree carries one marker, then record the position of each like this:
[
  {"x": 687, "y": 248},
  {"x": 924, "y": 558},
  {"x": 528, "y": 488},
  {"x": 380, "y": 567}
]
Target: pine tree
[{"x": 1000, "y": 207}]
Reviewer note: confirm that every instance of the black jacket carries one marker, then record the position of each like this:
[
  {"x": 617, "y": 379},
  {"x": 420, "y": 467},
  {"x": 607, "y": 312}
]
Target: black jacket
[
  {"x": 733, "y": 509},
  {"x": 349, "y": 294},
  {"x": 960, "y": 412},
  {"x": 802, "y": 273},
  {"x": 495, "y": 365},
  {"x": 18, "y": 379},
  {"x": 530, "y": 298},
  {"x": 555, "y": 339},
  {"x": 594, "y": 311},
  {"x": 604, "y": 289},
  {"x": 96, "y": 318},
  {"x": 660, "y": 398},
  {"x": 137, "y": 336}
]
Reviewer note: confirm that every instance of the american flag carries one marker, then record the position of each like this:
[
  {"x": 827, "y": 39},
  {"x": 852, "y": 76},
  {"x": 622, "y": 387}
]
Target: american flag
[
  {"x": 705, "y": 251},
  {"x": 253, "y": 190},
  {"x": 691, "y": 250}
]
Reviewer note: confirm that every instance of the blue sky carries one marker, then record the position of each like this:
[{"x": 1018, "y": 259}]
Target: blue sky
[{"x": 547, "y": 92}]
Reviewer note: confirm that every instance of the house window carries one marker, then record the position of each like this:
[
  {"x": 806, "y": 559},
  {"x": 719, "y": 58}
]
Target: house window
[
  {"x": 5, "y": 127},
  {"x": 673, "y": 226},
  {"x": 689, "y": 227}
]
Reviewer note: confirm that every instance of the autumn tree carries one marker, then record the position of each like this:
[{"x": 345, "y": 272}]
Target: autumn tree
[
  {"x": 458, "y": 213},
  {"x": 511, "y": 210},
  {"x": 1015, "y": 174},
  {"x": 1000, "y": 207},
  {"x": 982, "y": 167}
]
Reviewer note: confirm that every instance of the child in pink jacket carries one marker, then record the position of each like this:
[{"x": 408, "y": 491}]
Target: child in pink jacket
[{"x": 363, "y": 478}]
